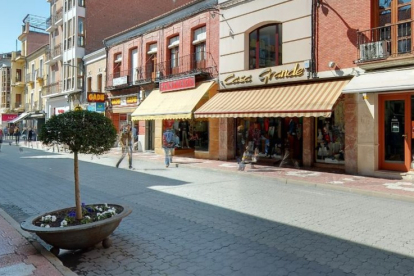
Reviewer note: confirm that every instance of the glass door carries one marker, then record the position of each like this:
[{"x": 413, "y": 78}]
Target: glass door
[{"x": 394, "y": 132}]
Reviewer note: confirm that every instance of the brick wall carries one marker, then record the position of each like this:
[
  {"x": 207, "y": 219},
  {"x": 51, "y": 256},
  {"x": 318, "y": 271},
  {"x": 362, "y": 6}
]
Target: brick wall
[
  {"x": 337, "y": 25},
  {"x": 183, "y": 29},
  {"x": 35, "y": 41},
  {"x": 108, "y": 17}
]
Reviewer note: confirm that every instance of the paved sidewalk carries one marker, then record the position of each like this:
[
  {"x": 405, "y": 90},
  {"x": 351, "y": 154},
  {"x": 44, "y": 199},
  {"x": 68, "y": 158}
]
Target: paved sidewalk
[
  {"x": 21, "y": 255},
  {"x": 331, "y": 179}
]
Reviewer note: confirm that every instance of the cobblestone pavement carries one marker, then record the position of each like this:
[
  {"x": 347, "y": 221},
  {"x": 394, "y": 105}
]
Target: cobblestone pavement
[{"x": 205, "y": 218}]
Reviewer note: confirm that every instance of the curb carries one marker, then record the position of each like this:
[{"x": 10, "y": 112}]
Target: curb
[{"x": 45, "y": 253}]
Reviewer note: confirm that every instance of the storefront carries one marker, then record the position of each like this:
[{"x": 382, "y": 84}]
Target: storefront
[
  {"x": 299, "y": 124},
  {"x": 385, "y": 121},
  {"x": 173, "y": 109},
  {"x": 122, "y": 108}
]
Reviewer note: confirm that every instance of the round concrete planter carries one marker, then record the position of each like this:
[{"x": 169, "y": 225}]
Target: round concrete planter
[{"x": 78, "y": 236}]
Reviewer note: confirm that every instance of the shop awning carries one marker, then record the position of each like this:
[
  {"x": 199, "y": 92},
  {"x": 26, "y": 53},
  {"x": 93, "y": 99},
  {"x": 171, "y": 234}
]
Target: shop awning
[
  {"x": 19, "y": 118},
  {"x": 171, "y": 105},
  {"x": 300, "y": 100},
  {"x": 123, "y": 109},
  {"x": 382, "y": 81}
]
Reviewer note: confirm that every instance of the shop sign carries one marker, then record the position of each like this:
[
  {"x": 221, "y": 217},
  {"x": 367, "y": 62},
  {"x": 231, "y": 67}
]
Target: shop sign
[
  {"x": 116, "y": 101},
  {"x": 8, "y": 117},
  {"x": 92, "y": 107},
  {"x": 94, "y": 97},
  {"x": 100, "y": 107},
  {"x": 61, "y": 110},
  {"x": 180, "y": 84},
  {"x": 120, "y": 81},
  {"x": 265, "y": 76},
  {"x": 132, "y": 100}
]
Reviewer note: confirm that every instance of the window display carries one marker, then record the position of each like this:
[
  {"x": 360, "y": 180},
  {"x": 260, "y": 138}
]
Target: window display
[
  {"x": 330, "y": 136},
  {"x": 190, "y": 134}
]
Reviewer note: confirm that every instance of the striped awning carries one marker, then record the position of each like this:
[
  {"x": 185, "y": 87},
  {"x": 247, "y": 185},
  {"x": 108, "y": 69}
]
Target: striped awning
[
  {"x": 301, "y": 100},
  {"x": 171, "y": 105}
]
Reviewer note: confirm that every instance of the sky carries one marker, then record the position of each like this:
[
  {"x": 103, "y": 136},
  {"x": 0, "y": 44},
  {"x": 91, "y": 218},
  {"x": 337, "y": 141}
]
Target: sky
[{"x": 12, "y": 13}]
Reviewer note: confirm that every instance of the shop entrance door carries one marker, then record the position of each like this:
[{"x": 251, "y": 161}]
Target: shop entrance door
[{"x": 395, "y": 132}]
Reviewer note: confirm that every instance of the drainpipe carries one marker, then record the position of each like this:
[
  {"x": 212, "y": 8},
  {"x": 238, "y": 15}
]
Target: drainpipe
[{"x": 315, "y": 3}]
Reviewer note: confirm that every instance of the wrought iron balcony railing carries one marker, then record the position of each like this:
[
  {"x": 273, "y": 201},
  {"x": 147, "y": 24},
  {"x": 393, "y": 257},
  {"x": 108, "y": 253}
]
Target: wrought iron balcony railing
[
  {"x": 52, "y": 88},
  {"x": 197, "y": 63},
  {"x": 379, "y": 43}
]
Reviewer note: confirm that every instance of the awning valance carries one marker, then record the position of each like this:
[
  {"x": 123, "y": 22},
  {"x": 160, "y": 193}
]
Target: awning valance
[
  {"x": 300, "y": 100},
  {"x": 171, "y": 105},
  {"x": 125, "y": 109},
  {"x": 19, "y": 118},
  {"x": 395, "y": 80}
]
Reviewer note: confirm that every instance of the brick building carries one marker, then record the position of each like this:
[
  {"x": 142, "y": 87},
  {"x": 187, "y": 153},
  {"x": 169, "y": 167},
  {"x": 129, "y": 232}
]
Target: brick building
[{"x": 177, "y": 53}]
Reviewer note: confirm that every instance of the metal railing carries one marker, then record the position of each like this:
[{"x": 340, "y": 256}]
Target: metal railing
[
  {"x": 197, "y": 63},
  {"x": 378, "y": 43},
  {"x": 52, "y": 88},
  {"x": 56, "y": 51}
]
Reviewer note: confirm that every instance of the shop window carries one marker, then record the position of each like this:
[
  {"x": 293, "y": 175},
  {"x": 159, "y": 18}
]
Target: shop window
[
  {"x": 265, "y": 46},
  {"x": 190, "y": 134},
  {"x": 330, "y": 136}
]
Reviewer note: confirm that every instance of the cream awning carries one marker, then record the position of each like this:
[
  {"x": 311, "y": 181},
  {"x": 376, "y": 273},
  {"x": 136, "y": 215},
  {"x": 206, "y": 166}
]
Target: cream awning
[
  {"x": 301, "y": 100},
  {"x": 171, "y": 105},
  {"x": 20, "y": 117},
  {"x": 381, "y": 81},
  {"x": 123, "y": 109}
]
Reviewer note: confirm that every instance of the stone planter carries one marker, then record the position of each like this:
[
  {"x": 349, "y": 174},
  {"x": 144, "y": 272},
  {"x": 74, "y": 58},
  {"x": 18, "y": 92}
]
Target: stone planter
[{"x": 78, "y": 236}]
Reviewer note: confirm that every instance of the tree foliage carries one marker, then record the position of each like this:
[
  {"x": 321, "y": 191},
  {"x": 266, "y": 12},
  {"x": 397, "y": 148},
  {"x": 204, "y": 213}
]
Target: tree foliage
[{"x": 82, "y": 131}]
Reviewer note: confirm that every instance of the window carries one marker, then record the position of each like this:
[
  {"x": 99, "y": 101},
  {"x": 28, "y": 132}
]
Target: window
[
  {"x": 18, "y": 75},
  {"x": 199, "y": 43},
  {"x": 81, "y": 32},
  {"x": 265, "y": 47},
  {"x": 394, "y": 21},
  {"x": 133, "y": 65},
  {"x": 89, "y": 84},
  {"x": 81, "y": 3},
  {"x": 173, "y": 46},
  {"x": 99, "y": 83},
  {"x": 151, "y": 64},
  {"x": 69, "y": 34},
  {"x": 117, "y": 65}
]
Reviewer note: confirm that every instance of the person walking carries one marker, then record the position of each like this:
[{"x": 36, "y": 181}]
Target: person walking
[
  {"x": 168, "y": 144},
  {"x": 1, "y": 138},
  {"x": 17, "y": 135},
  {"x": 125, "y": 140}
]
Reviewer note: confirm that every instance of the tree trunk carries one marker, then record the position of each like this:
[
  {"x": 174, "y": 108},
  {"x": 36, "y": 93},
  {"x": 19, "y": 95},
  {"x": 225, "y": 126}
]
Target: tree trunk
[{"x": 77, "y": 190}]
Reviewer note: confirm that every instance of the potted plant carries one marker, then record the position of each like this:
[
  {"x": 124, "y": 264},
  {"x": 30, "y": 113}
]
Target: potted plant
[{"x": 81, "y": 226}]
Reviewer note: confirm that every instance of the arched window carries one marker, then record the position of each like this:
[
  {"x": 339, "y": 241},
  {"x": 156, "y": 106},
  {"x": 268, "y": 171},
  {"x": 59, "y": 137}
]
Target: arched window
[{"x": 265, "y": 46}]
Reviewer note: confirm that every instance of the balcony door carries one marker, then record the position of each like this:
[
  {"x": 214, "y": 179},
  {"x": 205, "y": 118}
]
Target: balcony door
[
  {"x": 394, "y": 21},
  {"x": 395, "y": 132}
]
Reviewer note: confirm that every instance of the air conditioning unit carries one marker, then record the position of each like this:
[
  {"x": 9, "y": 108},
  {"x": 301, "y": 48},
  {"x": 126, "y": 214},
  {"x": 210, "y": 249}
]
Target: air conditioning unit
[{"x": 373, "y": 51}]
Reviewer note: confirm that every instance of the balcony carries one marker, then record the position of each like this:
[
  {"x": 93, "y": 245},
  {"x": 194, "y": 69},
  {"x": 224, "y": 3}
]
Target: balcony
[
  {"x": 30, "y": 78},
  {"x": 195, "y": 64},
  {"x": 50, "y": 26},
  {"x": 118, "y": 80},
  {"x": 53, "y": 88},
  {"x": 386, "y": 46},
  {"x": 18, "y": 81},
  {"x": 58, "y": 19},
  {"x": 39, "y": 75},
  {"x": 55, "y": 54}
]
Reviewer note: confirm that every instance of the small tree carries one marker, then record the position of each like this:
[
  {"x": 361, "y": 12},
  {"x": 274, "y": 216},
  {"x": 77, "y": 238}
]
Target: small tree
[{"x": 83, "y": 132}]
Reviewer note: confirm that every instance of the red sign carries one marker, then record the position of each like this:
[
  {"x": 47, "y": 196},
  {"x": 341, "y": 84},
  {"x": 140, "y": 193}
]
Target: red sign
[
  {"x": 94, "y": 97},
  {"x": 8, "y": 117},
  {"x": 180, "y": 84}
]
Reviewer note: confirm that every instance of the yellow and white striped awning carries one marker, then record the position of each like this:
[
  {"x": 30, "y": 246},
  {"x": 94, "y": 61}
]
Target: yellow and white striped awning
[
  {"x": 171, "y": 105},
  {"x": 300, "y": 100}
]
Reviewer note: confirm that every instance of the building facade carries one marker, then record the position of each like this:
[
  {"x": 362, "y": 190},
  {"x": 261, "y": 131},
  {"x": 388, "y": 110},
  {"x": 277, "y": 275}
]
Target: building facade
[
  {"x": 5, "y": 79},
  {"x": 272, "y": 101},
  {"x": 170, "y": 63},
  {"x": 95, "y": 72},
  {"x": 378, "y": 41}
]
